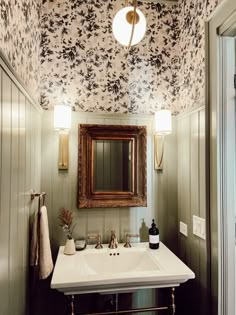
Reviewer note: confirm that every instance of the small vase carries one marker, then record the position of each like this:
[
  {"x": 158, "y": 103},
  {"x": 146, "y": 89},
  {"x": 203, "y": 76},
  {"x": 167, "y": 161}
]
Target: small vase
[{"x": 69, "y": 247}]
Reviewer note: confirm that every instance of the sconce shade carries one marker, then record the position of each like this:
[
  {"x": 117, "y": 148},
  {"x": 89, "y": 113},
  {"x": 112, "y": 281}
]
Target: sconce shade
[
  {"x": 163, "y": 124},
  {"x": 62, "y": 117},
  {"x": 122, "y": 28}
]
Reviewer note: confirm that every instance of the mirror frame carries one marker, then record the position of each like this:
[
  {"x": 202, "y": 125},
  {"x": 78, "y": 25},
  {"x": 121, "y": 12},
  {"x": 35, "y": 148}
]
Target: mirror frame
[{"x": 137, "y": 197}]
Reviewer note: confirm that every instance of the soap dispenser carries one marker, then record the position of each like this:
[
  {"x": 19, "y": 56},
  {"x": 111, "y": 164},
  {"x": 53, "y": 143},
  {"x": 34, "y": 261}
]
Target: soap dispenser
[{"x": 153, "y": 236}]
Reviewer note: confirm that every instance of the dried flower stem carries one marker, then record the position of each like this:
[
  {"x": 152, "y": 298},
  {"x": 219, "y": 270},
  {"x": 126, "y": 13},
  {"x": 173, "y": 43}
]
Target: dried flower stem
[{"x": 65, "y": 220}]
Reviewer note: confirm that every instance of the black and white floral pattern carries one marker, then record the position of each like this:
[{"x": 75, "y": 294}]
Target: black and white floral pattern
[
  {"x": 84, "y": 66},
  {"x": 191, "y": 55},
  {"x": 20, "y": 36}
]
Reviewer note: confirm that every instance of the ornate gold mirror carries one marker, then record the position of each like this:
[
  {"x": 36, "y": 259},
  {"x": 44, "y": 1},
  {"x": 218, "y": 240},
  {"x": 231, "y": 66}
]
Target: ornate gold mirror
[{"x": 112, "y": 166}]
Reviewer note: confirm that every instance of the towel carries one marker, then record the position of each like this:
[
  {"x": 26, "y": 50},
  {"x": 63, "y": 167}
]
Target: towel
[{"x": 41, "y": 255}]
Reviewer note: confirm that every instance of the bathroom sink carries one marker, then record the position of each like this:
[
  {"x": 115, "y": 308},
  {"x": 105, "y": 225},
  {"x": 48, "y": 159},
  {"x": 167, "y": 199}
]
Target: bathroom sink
[
  {"x": 118, "y": 270},
  {"x": 121, "y": 260}
]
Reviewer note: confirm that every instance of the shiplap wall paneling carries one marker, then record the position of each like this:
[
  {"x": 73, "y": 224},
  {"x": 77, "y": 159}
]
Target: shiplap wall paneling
[
  {"x": 22, "y": 237},
  {"x": 5, "y": 190},
  {"x": 20, "y": 122},
  {"x": 166, "y": 192},
  {"x": 191, "y": 201},
  {"x": 184, "y": 214},
  {"x": 203, "y": 255},
  {"x": 14, "y": 280},
  {"x": 194, "y": 190},
  {"x": 194, "y": 241}
]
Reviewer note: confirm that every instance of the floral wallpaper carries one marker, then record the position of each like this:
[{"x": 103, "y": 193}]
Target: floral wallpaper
[
  {"x": 83, "y": 65},
  {"x": 191, "y": 53},
  {"x": 20, "y": 37}
]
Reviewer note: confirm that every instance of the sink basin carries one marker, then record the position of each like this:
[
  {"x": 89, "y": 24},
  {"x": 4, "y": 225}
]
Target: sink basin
[
  {"x": 119, "y": 261},
  {"x": 118, "y": 270}
]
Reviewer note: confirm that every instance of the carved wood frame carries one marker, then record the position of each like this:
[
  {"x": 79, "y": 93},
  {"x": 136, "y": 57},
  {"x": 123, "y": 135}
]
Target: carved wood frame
[{"x": 137, "y": 197}]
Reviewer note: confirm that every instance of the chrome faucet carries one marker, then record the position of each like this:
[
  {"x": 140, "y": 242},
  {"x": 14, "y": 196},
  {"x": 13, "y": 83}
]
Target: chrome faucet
[{"x": 113, "y": 241}]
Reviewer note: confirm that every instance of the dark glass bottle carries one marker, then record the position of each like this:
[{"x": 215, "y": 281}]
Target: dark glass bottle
[{"x": 153, "y": 236}]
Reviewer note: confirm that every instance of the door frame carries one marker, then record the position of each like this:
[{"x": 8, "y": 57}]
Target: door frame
[{"x": 222, "y": 270}]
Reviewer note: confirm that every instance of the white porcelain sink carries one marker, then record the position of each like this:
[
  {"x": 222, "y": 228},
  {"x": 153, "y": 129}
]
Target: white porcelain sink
[
  {"x": 117, "y": 270},
  {"x": 108, "y": 261}
]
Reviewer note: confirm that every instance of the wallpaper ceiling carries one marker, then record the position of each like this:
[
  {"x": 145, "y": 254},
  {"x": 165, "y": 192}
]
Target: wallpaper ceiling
[{"x": 82, "y": 64}]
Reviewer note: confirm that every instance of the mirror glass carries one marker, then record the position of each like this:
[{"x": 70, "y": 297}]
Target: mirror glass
[{"x": 112, "y": 165}]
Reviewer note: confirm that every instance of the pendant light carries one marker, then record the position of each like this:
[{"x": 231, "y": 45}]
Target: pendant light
[{"x": 129, "y": 25}]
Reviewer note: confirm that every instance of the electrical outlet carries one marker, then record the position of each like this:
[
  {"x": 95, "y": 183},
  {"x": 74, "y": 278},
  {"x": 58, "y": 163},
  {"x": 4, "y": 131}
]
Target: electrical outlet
[
  {"x": 199, "y": 227},
  {"x": 183, "y": 228}
]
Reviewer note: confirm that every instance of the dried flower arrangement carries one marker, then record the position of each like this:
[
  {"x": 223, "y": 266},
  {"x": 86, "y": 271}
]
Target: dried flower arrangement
[{"x": 65, "y": 220}]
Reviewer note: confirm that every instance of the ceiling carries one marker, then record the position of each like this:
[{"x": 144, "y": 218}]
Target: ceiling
[{"x": 160, "y": 1}]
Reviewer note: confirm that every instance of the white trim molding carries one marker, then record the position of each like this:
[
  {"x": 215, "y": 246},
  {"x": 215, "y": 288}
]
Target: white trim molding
[
  {"x": 8, "y": 68},
  {"x": 222, "y": 250}
]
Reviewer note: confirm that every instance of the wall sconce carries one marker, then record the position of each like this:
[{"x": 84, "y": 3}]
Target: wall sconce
[
  {"x": 163, "y": 127},
  {"x": 129, "y": 25},
  {"x": 62, "y": 122}
]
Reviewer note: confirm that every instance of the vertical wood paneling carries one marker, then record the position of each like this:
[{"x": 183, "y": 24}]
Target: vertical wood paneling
[
  {"x": 23, "y": 253},
  {"x": 18, "y": 158},
  {"x": 0, "y": 155},
  {"x": 194, "y": 190},
  {"x": 202, "y": 213},
  {"x": 13, "y": 263},
  {"x": 184, "y": 213},
  {"x": 38, "y": 148},
  {"x": 5, "y": 192},
  {"x": 166, "y": 200},
  {"x": 192, "y": 201},
  {"x": 28, "y": 187},
  {"x": 171, "y": 189}
]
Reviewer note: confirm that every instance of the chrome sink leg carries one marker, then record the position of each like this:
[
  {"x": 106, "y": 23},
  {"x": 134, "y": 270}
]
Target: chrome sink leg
[
  {"x": 116, "y": 297},
  {"x": 173, "y": 306},
  {"x": 71, "y": 305}
]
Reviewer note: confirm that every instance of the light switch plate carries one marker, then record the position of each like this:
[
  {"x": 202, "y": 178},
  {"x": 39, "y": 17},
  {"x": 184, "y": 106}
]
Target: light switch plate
[
  {"x": 199, "y": 227},
  {"x": 183, "y": 228}
]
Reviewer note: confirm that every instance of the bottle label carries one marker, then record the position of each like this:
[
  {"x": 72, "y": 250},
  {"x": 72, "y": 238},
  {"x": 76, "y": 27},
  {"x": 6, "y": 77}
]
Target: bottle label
[{"x": 154, "y": 239}]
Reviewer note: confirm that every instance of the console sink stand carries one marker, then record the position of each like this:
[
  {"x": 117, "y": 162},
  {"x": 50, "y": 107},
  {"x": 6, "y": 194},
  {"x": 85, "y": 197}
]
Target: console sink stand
[{"x": 171, "y": 307}]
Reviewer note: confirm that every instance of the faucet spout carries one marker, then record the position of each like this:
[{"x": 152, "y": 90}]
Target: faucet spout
[{"x": 113, "y": 241}]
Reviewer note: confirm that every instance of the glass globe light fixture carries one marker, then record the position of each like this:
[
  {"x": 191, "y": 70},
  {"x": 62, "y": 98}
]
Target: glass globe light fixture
[{"x": 129, "y": 26}]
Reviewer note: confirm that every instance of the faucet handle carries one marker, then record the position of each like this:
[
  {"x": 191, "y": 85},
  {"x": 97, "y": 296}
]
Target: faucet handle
[
  {"x": 96, "y": 237},
  {"x": 127, "y": 243},
  {"x": 99, "y": 242}
]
